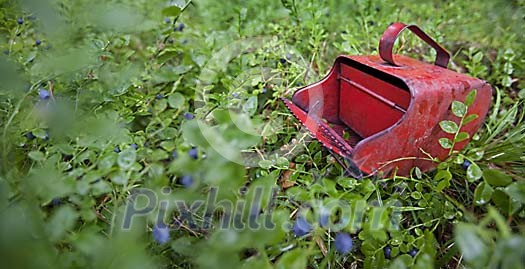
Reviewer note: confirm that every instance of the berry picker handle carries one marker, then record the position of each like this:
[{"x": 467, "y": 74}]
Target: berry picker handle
[{"x": 391, "y": 33}]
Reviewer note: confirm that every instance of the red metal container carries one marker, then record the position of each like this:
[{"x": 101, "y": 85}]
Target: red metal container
[{"x": 382, "y": 113}]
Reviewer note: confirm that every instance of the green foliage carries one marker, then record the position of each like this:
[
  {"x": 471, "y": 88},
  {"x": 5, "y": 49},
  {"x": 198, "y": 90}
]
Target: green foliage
[
  {"x": 120, "y": 98},
  {"x": 459, "y": 109}
]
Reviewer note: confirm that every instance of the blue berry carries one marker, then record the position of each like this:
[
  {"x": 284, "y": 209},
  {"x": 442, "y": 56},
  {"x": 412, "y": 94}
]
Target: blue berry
[
  {"x": 174, "y": 154},
  {"x": 412, "y": 252},
  {"x": 186, "y": 181},
  {"x": 56, "y": 201},
  {"x": 288, "y": 56},
  {"x": 343, "y": 243},
  {"x": 20, "y": 21},
  {"x": 282, "y": 60},
  {"x": 167, "y": 20},
  {"x": 159, "y": 96},
  {"x": 188, "y": 116},
  {"x": 43, "y": 94},
  {"x": 161, "y": 233},
  {"x": 38, "y": 42},
  {"x": 301, "y": 227},
  {"x": 30, "y": 136},
  {"x": 134, "y": 146},
  {"x": 116, "y": 149},
  {"x": 264, "y": 90},
  {"x": 465, "y": 164},
  {"x": 193, "y": 153},
  {"x": 180, "y": 27},
  {"x": 388, "y": 252}
]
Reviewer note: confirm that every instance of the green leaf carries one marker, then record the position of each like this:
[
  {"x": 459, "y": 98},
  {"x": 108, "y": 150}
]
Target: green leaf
[
  {"x": 496, "y": 178},
  {"x": 36, "y": 155},
  {"x": 459, "y": 109},
  {"x": 442, "y": 185},
  {"x": 47, "y": 182},
  {"x": 176, "y": 100},
  {"x": 502, "y": 200},
  {"x": 470, "y": 118},
  {"x": 160, "y": 106},
  {"x": 506, "y": 81},
  {"x": 470, "y": 244},
  {"x": 295, "y": 259},
  {"x": 66, "y": 149},
  {"x": 42, "y": 134},
  {"x": 483, "y": 193},
  {"x": 106, "y": 162},
  {"x": 120, "y": 178},
  {"x": 62, "y": 220},
  {"x": 250, "y": 106},
  {"x": 127, "y": 158},
  {"x": 424, "y": 261},
  {"x": 477, "y": 57},
  {"x": 283, "y": 162},
  {"x": 471, "y": 97},
  {"x": 516, "y": 191},
  {"x": 171, "y": 11},
  {"x": 419, "y": 174},
  {"x": 184, "y": 246},
  {"x": 473, "y": 172},
  {"x": 445, "y": 143},
  {"x": 265, "y": 164},
  {"x": 449, "y": 126},
  {"x": 507, "y": 250},
  {"x": 401, "y": 262},
  {"x": 443, "y": 175},
  {"x": 462, "y": 136},
  {"x": 100, "y": 187}
]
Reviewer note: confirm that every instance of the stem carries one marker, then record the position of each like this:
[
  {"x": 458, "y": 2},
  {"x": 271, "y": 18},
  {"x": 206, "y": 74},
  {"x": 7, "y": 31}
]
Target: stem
[{"x": 456, "y": 134}]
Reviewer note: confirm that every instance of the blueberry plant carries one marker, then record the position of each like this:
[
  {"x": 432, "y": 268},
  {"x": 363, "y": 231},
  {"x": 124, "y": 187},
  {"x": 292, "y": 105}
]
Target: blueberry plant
[{"x": 146, "y": 134}]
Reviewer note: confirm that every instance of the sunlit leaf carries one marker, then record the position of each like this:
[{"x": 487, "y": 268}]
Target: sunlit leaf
[
  {"x": 470, "y": 118},
  {"x": 36, "y": 155},
  {"x": 473, "y": 172},
  {"x": 448, "y": 126},
  {"x": 126, "y": 158},
  {"x": 462, "y": 136},
  {"x": 445, "y": 142},
  {"x": 516, "y": 191},
  {"x": 172, "y": 11},
  {"x": 483, "y": 193},
  {"x": 471, "y": 97},
  {"x": 459, "y": 109}
]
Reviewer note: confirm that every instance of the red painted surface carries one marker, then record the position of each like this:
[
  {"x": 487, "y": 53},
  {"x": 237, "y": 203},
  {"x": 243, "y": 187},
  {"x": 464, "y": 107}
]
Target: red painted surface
[{"x": 388, "y": 107}]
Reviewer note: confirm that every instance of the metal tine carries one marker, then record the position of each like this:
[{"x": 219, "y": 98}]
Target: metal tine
[
  {"x": 330, "y": 135},
  {"x": 351, "y": 169}
]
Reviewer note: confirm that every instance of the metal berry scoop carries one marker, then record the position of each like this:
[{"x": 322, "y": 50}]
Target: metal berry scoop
[{"x": 381, "y": 114}]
